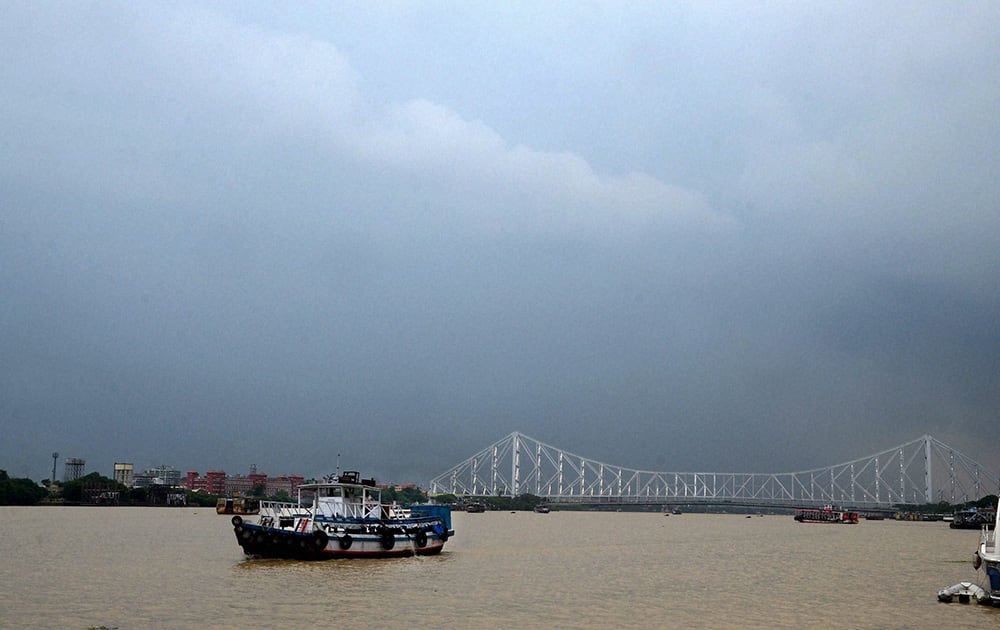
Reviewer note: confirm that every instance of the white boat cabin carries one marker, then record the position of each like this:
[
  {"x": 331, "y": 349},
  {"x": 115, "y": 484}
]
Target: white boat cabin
[
  {"x": 349, "y": 497},
  {"x": 342, "y": 500}
]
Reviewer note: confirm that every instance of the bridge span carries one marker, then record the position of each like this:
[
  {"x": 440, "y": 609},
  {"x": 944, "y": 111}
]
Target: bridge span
[{"x": 924, "y": 470}]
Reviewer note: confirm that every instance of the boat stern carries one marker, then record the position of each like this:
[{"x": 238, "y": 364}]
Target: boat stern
[{"x": 988, "y": 558}]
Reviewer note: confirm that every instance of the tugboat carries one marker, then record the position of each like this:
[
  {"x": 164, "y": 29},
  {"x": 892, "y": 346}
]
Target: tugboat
[{"x": 344, "y": 518}]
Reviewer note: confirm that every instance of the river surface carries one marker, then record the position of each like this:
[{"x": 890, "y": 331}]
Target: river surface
[{"x": 81, "y": 567}]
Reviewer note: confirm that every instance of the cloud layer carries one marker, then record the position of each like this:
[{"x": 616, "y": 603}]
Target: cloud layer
[{"x": 708, "y": 237}]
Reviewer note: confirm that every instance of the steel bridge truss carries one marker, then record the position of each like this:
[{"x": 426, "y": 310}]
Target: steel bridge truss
[{"x": 924, "y": 470}]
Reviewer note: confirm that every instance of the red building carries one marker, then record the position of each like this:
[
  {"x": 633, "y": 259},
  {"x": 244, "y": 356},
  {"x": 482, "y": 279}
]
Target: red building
[
  {"x": 218, "y": 483},
  {"x": 215, "y": 482}
]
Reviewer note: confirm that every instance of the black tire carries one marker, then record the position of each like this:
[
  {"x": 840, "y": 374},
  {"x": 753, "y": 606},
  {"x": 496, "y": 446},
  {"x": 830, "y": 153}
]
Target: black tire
[
  {"x": 321, "y": 539},
  {"x": 346, "y": 541},
  {"x": 237, "y": 520},
  {"x": 387, "y": 539},
  {"x": 420, "y": 539},
  {"x": 443, "y": 536}
]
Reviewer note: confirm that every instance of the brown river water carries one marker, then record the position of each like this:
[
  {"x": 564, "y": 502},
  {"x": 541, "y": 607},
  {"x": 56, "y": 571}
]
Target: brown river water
[{"x": 80, "y": 567}]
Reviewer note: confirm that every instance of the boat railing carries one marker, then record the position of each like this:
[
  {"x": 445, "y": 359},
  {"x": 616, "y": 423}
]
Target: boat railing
[
  {"x": 369, "y": 510},
  {"x": 989, "y": 540},
  {"x": 279, "y": 509}
]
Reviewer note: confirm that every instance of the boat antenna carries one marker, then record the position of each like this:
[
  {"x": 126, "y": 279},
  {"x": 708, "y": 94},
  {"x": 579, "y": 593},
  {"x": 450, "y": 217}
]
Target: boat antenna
[{"x": 338, "y": 465}]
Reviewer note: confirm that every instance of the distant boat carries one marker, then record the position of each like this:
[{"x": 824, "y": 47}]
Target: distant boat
[
  {"x": 343, "y": 519},
  {"x": 827, "y": 514},
  {"x": 236, "y": 505},
  {"x": 475, "y": 507},
  {"x": 972, "y": 519},
  {"x": 542, "y": 509}
]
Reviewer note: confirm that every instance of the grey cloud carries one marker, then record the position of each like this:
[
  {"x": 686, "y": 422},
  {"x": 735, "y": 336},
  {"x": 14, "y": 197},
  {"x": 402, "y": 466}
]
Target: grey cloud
[{"x": 233, "y": 237}]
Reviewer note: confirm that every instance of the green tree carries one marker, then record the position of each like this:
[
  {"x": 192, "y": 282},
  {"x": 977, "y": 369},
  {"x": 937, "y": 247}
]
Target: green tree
[
  {"x": 520, "y": 502},
  {"x": 281, "y": 495},
  {"x": 135, "y": 496},
  {"x": 445, "y": 499},
  {"x": 72, "y": 491},
  {"x": 404, "y": 496},
  {"x": 19, "y": 491},
  {"x": 201, "y": 499}
]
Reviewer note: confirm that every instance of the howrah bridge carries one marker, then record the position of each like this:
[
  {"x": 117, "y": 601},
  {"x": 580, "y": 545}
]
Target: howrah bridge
[{"x": 924, "y": 470}]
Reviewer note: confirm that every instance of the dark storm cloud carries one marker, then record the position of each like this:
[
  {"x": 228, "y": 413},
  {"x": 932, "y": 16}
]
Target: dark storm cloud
[{"x": 258, "y": 237}]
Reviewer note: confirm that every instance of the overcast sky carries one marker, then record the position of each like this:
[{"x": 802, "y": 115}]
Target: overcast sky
[{"x": 713, "y": 236}]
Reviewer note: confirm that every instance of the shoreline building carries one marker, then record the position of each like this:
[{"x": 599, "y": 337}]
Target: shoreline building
[
  {"x": 159, "y": 476},
  {"x": 73, "y": 468},
  {"x": 217, "y": 483},
  {"x": 123, "y": 474}
]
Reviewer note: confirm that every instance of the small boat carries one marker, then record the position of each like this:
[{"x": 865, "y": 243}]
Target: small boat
[
  {"x": 987, "y": 558},
  {"x": 965, "y": 591},
  {"x": 475, "y": 507},
  {"x": 236, "y": 505},
  {"x": 542, "y": 509},
  {"x": 828, "y": 514},
  {"x": 343, "y": 518}
]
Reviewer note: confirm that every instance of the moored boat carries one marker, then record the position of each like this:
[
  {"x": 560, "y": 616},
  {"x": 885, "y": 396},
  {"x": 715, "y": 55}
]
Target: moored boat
[
  {"x": 236, "y": 505},
  {"x": 987, "y": 558},
  {"x": 827, "y": 514},
  {"x": 343, "y": 518},
  {"x": 971, "y": 519}
]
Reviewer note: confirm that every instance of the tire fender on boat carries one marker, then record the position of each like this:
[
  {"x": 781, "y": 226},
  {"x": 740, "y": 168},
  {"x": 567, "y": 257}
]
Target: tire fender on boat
[
  {"x": 237, "y": 520},
  {"x": 388, "y": 540},
  {"x": 346, "y": 541},
  {"x": 321, "y": 539},
  {"x": 977, "y": 561},
  {"x": 420, "y": 539}
]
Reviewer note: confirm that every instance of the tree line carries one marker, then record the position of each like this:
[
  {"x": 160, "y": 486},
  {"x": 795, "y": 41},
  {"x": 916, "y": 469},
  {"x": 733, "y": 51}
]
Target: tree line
[{"x": 23, "y": 491}]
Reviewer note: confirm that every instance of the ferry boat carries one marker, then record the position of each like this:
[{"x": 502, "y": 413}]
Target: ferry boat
[
  {"x": 988, "y": 558},
  {"x": 343, "y": 518},
  {"x": 827, "y": 514}
]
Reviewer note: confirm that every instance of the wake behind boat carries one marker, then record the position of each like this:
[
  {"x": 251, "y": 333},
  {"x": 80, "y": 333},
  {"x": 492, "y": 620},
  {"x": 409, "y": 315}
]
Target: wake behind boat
[{"x": 344, "y": 518}]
